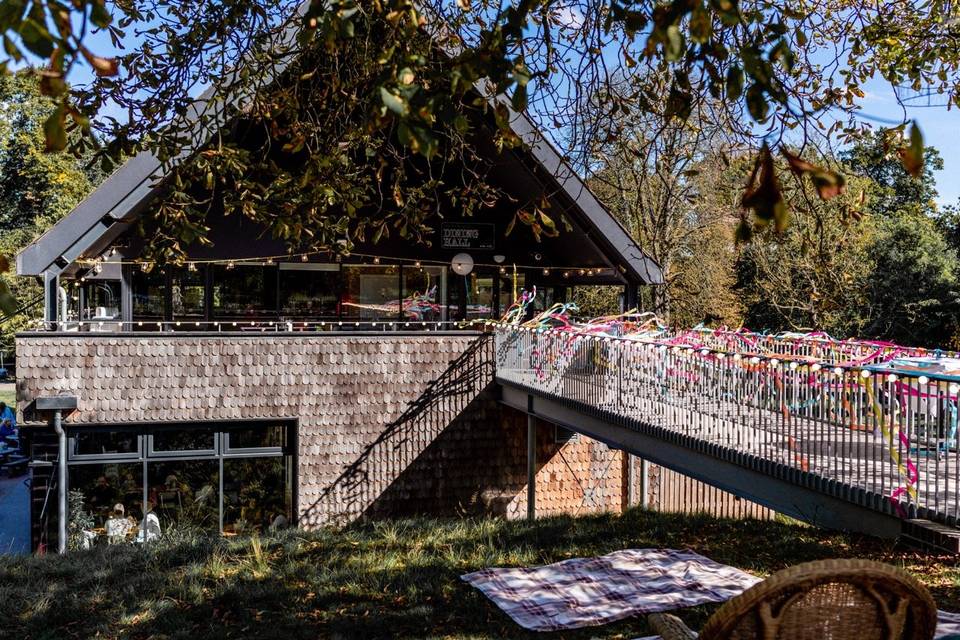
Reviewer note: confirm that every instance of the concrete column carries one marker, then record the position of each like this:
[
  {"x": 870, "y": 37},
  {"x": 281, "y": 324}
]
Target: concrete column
[{"x": 644, "y": 484}]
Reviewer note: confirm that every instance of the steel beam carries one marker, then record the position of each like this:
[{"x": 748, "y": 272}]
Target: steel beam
[{"x": 803, "y": 503}]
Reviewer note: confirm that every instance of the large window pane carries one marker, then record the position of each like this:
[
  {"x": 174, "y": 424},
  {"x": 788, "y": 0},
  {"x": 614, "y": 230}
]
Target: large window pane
[
  {"x": 257, "y": 494},
  {"x": 309, "y": 290},
  {"x": 371, "y": 292},
  {"x": 257, "y": 437},
  {"x": 91, "y": 443},
  {"x": 187, "y": 293},
  {"x": 244, "y": 290},
  {"x": 99, "y": 488},
  {"x": 148, "y": 294},
  {"x": 509, "y": 284},
  {"x": 423, "y": 289},
  {"x": 184, "y": 440},
  {"x": 102, "y": 300},
  {"x": 185, "y": 494},
  {"x": 479, "y": 296}
]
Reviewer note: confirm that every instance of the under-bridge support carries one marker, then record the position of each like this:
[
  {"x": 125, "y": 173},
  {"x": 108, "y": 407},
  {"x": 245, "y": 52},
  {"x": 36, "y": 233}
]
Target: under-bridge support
[{"x": 782, "y": 490}]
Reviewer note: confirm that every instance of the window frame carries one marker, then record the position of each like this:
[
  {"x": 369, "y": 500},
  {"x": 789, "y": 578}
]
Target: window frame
[{"x": 145, "y": 454}]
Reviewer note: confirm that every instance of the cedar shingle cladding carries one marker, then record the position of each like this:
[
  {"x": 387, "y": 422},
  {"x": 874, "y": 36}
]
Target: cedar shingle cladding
[
  {"x": 350, "y": 394},
  {"x": 389, "y": 424}
]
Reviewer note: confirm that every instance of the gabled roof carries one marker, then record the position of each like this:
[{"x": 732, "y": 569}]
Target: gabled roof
[{"x": 117, "y": 203}]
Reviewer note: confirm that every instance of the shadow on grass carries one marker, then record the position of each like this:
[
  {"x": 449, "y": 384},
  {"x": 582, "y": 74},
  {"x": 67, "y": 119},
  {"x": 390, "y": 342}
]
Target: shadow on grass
[{"x": 387, "y": 579}]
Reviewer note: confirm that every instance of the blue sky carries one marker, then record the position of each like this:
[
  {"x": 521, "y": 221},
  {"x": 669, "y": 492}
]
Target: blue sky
[{"x": 941, "y": 129}]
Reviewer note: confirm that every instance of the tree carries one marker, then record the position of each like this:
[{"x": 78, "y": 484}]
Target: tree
[
  {"x": 36, "y": 188},
  {"x": 785, "y": 65},
  {"x": 810, "y": 275},
  {"x": 913, "y": 292},
  {"x": 893, "y": 190}
]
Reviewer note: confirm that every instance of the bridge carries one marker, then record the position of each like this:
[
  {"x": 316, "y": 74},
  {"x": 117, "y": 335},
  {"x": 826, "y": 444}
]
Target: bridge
[{"x": 851, "y": 435}]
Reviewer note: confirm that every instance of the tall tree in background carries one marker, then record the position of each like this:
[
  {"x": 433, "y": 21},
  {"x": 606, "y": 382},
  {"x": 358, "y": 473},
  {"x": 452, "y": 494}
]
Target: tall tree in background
[
  {"x": 36, "y": 188},
  {"x": 653, "y": 173},
  {"x": 893, "y": 191}
]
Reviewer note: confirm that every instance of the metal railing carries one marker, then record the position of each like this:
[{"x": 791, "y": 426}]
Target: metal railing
[
  {"x": 863, "y": 432},
  {"x": 256, "y": 326}
]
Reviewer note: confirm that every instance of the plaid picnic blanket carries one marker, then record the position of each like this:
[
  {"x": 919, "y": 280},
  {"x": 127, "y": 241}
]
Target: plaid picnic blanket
[{"x": 583, "y": 592}]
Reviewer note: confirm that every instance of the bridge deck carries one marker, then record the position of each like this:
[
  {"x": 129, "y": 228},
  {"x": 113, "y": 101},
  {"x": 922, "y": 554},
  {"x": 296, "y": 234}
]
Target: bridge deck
[{"x": 873, "y": 452}]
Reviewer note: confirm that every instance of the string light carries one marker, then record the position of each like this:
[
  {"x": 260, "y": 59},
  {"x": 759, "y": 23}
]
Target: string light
[{"x": 338, "y": 258}]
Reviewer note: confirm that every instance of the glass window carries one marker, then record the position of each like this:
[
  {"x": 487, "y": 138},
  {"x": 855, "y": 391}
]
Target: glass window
[
  {"x": 102, "y": 300},
  {"x": 309, "y": 290},
  {"x": 479, "y": 295},
  {"x": 179, "y": 481},
  {"x": 245, "y": 290},
  {"x": 256, "y": 494},
  {"x": 148, "y": 293},
  {"x": 508, "y": 284},
  {"x": 183, "y": 440},
  {"x": 185, "y": 494},
  {"x": 94, "y": 442},
  {"x": 187, "y": 292},
  {"x": 258, "y": 437},
  {"x": 95, "y": 491},
  {"x": 423, "y": 293},
  {"x": 371, "y": 292}
]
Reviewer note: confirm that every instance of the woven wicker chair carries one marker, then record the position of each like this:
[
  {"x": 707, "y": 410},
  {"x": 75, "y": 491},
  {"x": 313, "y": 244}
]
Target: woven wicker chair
[{"x": 822, "y": 600}]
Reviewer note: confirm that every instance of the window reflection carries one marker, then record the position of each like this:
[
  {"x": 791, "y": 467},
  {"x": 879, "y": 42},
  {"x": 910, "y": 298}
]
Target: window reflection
[
  {"x": 479, "y": 296},
  {"x": 371, "y": 292},
  {"x": 148, "y": 294},
  {"x": 185, "y": 494},
  {"x": 256, "y": 494},
  {"x": 100, "y": 487},
  {"x": 87, "y": 443},
  {"x": 423, "y": 291},
  {"x": 309, "y": 290},
  {"x": 171, "y": 440},
  {"x": 244, "y": 290},
  {"x": 258, "y": 437},
  {"x": 187, "y": 293}
]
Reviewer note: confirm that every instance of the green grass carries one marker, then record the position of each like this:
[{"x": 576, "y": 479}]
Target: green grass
[{"x": 392, "y": 579}]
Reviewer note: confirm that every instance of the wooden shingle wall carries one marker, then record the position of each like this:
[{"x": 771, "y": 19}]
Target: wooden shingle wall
[{"x": 387, "y": 424}]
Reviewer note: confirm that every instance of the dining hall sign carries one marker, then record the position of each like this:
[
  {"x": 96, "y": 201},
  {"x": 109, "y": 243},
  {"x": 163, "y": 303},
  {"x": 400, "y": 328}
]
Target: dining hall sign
[{"x": 467, "y": 235}]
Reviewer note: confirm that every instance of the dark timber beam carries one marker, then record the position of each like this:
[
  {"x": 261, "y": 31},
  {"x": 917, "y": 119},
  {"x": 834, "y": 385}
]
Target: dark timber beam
[{"x": 785, "y": 497}]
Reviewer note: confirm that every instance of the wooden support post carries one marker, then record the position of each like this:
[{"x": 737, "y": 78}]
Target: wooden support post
[
  {"x": 531, "y": 468},
  {"x": 644, "y": 484}
]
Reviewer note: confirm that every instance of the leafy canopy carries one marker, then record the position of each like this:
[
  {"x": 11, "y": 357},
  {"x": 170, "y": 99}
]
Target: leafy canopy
[{"x": 777, "y": 66}]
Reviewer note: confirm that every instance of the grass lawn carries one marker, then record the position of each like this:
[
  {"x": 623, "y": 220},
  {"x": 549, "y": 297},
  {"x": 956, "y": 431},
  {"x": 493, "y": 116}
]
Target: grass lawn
[{"x": 386, "y": 579}]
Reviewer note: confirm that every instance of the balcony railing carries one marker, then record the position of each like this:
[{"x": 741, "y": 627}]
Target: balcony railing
[{"x": 869, "y": 432}]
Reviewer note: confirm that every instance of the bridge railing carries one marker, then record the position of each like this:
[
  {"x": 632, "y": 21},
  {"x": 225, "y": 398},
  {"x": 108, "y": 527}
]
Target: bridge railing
[{"x": 882, "y": 438}]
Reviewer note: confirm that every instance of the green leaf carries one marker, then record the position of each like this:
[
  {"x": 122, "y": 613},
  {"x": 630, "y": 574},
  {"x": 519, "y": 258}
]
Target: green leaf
[
  {"x": 519, "y": 99},
  {"x": 394, "y": 102},
  {"x": 36, "y": 38},
  {"x": 734, "y": 83},
  {"x": 8, "y": 304},
  {"x": 55, "y": 130},
  {"x": 99, "y": 15},
  {"x": 675, "y": 44},
  {"x": 912, "y": 155},
  {"x": 757, "y": 103}
]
